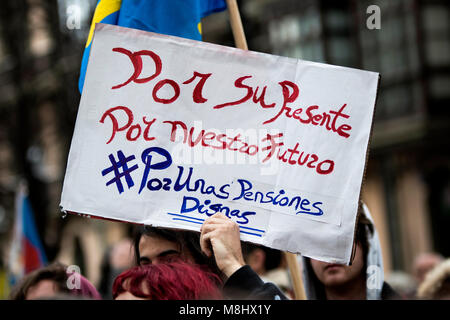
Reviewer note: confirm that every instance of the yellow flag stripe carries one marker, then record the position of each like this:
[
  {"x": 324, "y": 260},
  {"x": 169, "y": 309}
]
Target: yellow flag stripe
[{"x": 104, "y": 8}]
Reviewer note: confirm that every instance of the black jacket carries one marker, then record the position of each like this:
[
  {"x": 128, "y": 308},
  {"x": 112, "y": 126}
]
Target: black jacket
[{"x": 245, "y": 284}]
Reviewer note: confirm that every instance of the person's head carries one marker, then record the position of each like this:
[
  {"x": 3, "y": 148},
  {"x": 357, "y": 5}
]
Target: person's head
[
  {"x": 329, "y": 275},
  {"x": 175, "y": 280},
  {"x": 424, "y": 263},
  {"x": 260, "y": 258},
  {"x": 49, "y": 282},
  {"x": 436, "y": 284},
  {"x": 156, "y": 245}
]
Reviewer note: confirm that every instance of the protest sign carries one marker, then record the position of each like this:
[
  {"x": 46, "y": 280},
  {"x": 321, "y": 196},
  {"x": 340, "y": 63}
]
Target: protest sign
[{"x": 170, "y": 131}]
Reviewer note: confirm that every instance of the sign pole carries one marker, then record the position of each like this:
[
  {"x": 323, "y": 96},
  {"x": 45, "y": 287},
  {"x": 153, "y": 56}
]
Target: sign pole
[
  {"x": 236, "y": 25},
  {"x": 241, "y": 43},
  {"x": 296, "y": 275}
]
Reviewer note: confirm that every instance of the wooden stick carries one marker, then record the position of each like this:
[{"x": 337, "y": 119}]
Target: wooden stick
[
  {"x": 236, "y": 25},
  {"x": 241, "y": 43},
  {"x": 296, "y": 276}
]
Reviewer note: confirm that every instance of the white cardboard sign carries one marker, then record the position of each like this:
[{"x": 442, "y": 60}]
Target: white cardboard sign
[{"x": 170, "y": 131}]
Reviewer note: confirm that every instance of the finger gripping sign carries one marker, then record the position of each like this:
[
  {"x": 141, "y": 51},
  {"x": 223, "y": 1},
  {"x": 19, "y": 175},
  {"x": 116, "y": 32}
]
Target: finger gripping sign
[{"x": 171, "y": 131}]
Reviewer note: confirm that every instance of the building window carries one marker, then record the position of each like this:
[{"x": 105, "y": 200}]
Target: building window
[{"x": 436, "y": 26}]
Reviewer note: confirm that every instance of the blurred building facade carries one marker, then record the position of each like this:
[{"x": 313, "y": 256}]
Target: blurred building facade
[
  {"x": 407, "y": 179},
  {"x": 41, "y": 45}
]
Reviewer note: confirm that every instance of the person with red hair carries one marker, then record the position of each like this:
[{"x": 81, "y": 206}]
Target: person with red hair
[
  {"x": 172, "y": 280},
  {"x": 217, "y": 246}
]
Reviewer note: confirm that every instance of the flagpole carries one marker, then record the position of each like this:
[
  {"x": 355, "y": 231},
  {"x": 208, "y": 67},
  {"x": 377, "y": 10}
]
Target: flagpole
[{"x": 241, "y": 43}]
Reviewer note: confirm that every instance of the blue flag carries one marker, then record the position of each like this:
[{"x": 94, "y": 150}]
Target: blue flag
[{"x": 181, "y": 18}]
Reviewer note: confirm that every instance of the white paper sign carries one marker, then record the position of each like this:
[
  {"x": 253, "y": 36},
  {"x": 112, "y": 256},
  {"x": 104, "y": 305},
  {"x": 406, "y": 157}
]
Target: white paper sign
[{"x": 170, "y": 131}]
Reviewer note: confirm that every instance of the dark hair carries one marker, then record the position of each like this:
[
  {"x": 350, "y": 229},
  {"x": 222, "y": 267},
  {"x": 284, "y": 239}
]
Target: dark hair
[
  {"x": 175, "y": 280},
  {"x": 364, "y": 230},
  {"x": 55, "y": 272},
  {"x": 188, "y": 241}
]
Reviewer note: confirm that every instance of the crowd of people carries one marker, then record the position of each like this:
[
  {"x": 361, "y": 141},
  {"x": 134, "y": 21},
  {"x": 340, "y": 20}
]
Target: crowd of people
[{"x": 168, "y": 264}]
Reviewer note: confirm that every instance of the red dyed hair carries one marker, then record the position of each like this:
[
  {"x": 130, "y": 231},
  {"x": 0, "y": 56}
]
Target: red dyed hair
[{"x": 174, "y": 280}]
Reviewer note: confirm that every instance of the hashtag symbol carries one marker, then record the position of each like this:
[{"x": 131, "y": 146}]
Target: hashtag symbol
[{"x": 121, "y": 164}]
